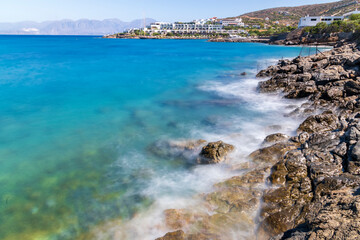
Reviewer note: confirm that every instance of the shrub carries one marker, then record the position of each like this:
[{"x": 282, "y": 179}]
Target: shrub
[{"x": 354, "y": 17}]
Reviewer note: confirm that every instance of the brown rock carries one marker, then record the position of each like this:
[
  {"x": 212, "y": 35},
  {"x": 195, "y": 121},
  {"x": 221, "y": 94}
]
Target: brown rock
[
  {"x": 275, "y": 138},
  {"x": 177, "y": 235},
  {"x": 272, "y": 154},
  {"x": 320, "y": 123},
  {"x": 214, "y": 152},
  {"x": 352, "y": 88},
  {"x": 177, "y": 218},
  {"x": 278, "y": 174}
]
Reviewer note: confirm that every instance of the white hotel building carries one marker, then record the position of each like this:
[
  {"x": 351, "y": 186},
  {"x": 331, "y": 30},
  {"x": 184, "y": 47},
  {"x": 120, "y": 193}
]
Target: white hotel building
[
  {"x": 164, "y": 27},
  {"x": 311, "y": 21},
  {"x": 233, "y": 22}
]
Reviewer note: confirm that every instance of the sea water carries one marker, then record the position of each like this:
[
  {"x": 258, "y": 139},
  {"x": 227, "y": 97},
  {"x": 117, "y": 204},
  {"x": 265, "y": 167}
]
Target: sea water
[{"x": 79, "y": 117}]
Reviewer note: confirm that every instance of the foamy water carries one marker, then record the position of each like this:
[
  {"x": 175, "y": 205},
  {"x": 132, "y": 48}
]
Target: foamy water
[
  {"x": 86, "y": 124},
  {"x": 180, "y": 190}
]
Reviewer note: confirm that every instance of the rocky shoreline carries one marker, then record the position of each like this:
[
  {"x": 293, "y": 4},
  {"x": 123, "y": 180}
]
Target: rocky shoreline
[
  {"x": 299, "y": 37},
  {"x": 241, "y": 40},
  {"x": 296, "y": 187}
]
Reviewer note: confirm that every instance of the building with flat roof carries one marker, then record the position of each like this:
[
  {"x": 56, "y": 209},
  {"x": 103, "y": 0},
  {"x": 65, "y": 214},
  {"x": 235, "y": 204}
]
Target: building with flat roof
[
  {"x": 232, "y": 22},
  {"x": 311, "y": 21},
  {"x": 192, "y": 27}
]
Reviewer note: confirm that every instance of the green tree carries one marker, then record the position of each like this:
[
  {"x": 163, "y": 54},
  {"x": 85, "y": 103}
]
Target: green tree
[{"x": 354, "y": 17}]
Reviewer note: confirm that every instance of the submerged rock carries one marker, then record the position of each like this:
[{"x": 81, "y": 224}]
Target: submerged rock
[
  {"x": 184, "y": 149},
  {"x": 214, "y": 152}
]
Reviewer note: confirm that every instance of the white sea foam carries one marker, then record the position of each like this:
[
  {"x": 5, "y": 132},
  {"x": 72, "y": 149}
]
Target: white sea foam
[{"x": 178, "y": 189}]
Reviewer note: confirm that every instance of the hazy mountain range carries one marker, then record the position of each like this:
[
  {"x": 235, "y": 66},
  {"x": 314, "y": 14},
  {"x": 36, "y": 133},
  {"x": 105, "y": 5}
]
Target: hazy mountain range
[{"x": 71, "y": 27}]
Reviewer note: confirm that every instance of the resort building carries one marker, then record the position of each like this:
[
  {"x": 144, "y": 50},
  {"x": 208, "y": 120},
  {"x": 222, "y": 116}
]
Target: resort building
[
  {"x": 192, "y": 27},
  {"x": 200, "y": 26},
  {"x": 311, "y": 21},
  {"x": 232, "y": 22}
]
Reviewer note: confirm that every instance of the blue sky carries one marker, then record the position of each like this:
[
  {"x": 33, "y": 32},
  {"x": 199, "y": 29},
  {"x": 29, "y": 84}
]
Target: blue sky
[{"x": 162, "y": 10}]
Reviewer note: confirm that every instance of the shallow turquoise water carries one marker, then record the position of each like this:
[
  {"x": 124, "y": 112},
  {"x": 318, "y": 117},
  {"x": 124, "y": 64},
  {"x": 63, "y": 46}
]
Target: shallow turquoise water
[{"x": 78, "y": 114}]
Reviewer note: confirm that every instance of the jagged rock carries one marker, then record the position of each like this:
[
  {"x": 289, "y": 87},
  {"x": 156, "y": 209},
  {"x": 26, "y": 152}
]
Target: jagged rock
[
  {"x": 304, "y": 77},
  {"x": 288, "y": 68},
  {"x": 279, "y": 222},
  {"x": 238, "y": 194},
  {"x": 352, "y": 134},
  {"x": 333, "y": 216},
  {"x": 320, "y": 123},
  {"x": 275, "y": 138},
  {"x": 312, "y": 200},
  {"x": 354, "y": 159},
  {"x": 283, "y": 207},
  {"x": 278, "y": 174},
  {"x": 237, "y": 199},
  {"x": 341, "y": 149},
  {"x": 295, "y": 163},
  {"x": 272, "y": 154},
  {"x": 214, "y": 152},
  {"x": 326, "y": 75},
  {"x": 355, "y": 152},
  {"x": 250, "y": 179},
  {"x": 323, "y": 141},
  {"x": 302, "y": 90},
  {"x": 314, "y": 177},
  {"x": 335, "y": 93},
  {"x": 178, "y": 218},
  {"x": 177, "y": 235},
  {"x": 352, "y": 88}
]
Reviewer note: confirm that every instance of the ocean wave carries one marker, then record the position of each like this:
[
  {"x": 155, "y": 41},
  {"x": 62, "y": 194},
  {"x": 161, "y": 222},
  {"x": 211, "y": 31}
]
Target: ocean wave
[{"x": 183, "y": 188}]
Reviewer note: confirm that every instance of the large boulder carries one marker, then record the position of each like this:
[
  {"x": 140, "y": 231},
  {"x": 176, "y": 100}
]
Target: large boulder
[
  {"x": 272, "y": 154},
  {"x": 214, "y": 152},
  {"x": 326, "y": 121},
  {"x": 275, "y": 138}
]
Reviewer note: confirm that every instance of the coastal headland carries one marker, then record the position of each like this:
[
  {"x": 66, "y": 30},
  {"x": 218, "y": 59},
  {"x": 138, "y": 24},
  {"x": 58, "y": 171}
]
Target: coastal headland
[{"x": 303, "y": 186}]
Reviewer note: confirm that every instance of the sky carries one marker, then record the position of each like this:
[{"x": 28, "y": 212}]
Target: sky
[{"x": 127, "y": 10}]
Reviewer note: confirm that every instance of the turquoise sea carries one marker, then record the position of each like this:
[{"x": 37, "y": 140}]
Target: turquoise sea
[{"x": 80, "y": 116}]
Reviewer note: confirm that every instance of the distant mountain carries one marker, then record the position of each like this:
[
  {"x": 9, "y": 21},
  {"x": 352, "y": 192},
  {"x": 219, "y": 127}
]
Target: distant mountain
[
  {"x": 291, "y": 15},
  {"x": 71, "y": 27}
]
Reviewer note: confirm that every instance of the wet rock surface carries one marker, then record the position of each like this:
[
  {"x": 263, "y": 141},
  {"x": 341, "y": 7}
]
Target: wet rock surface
[
  {"x": 313, "y": 178},
  {"x": 313, "y": 193},
  {"x": 214, "y": 152}
]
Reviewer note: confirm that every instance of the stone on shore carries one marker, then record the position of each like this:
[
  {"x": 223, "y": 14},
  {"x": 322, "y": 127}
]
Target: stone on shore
[
  {"x": 214, "y": 152},
  {"x": 276, "y": 138},
  {"x": 272, "y": 154},
  {"x": 326, "y": 121}
]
